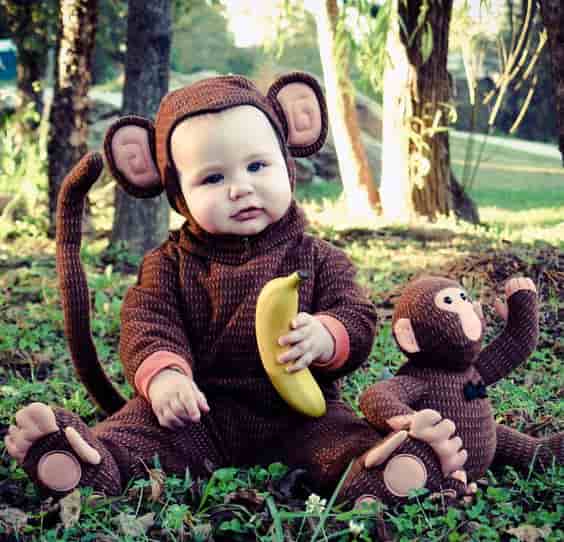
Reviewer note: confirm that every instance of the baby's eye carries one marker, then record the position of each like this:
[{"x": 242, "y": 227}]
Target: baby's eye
[
  {"x": 464, "y": 297},
  {"x": 447, "y": 299},
  {"x": 213, "y": 179},
  {"x": 256, "y": 166}
]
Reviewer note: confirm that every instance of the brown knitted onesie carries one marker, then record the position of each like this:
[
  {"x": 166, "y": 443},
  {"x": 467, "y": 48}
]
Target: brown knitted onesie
[
  {"x": 196, "y": 297},
  {"x": 449, "y": 375}
]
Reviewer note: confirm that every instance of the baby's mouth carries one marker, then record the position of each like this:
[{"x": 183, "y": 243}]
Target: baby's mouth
[{"x": 247, "y": 214}]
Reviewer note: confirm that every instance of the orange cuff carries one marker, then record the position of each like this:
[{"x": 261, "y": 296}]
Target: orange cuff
[
  {"x": 341, "y": 339},
  {"x": 154, "y": 364}
]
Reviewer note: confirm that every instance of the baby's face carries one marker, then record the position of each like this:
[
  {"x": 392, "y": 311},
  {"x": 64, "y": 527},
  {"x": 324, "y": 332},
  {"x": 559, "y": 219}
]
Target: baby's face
[{"x": 232, "y": 172}]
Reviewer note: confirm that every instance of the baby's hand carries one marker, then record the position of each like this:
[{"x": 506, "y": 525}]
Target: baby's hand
[
  {"x": 310, "y": 342},
  {"x": 176, "y": 399}
]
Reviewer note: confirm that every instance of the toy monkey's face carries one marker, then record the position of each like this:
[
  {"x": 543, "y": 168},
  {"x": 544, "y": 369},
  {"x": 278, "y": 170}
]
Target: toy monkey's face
[
  {"x": 232, "y": 172},
  {"x": 458, "y": 302},
  {"x": 437, "y": 322}
]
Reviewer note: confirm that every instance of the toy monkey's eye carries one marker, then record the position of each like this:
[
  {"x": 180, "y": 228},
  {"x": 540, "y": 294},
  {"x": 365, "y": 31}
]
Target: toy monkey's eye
[{"x": 447, "y": 299}]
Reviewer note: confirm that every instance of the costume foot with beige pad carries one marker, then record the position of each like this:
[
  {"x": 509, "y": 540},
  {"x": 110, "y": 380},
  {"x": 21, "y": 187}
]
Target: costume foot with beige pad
[
  {"x": 422, "y": 453},
  {"x": 58, "y": 451}
]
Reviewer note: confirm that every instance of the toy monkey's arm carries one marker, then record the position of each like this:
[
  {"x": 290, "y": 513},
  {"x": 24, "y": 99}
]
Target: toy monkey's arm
[
  {"x": 390, "y": 398},
  {"x": 520, "y": 336},
  {"x": 342, "y": 305},
  {"x": 153, "y": 332}
]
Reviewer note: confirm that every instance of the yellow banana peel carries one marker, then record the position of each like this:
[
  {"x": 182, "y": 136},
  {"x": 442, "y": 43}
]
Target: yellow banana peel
[{"x": 277, "y": 305}]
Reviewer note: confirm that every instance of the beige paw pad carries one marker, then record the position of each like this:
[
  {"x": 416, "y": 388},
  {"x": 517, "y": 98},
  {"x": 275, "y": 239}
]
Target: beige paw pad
[
  {"x": 403, "y": 474},
  {"x": 59, "y": 470}
]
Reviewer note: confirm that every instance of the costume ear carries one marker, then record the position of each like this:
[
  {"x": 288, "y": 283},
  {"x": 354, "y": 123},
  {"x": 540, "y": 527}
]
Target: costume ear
[
  {"x": 129, "y": 147},
  {"x": 300, "y": 100},
  {"x": 405, "y": 336}
]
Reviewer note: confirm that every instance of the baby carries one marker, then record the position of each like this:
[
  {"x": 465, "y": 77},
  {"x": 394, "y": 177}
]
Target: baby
[{"x": 221, "y": 151}]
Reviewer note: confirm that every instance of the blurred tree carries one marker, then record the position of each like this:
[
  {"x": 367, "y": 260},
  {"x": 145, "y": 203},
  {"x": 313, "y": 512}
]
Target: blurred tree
[
  {"x": 356, "y": 176},
  {"x": 294, "y": 44},
  {"x": 109, "y": 53},
  {"x": 31, "y": 25},
  {"x": 68, "y": 128},
  {"x": 201, "y": 26},
  {"x": 143, "y": 224},
  {"x": 553, "y": 17}
]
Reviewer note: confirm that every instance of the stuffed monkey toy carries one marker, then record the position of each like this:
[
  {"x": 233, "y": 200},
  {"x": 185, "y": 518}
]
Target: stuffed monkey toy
[
  {"x": 440, "y": 331},
  {"x": 192, "y": 310}
]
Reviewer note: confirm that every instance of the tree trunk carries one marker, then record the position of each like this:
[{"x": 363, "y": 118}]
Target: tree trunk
[
  {"x": 553, "y": 17},
  {"x": 68, "y": 130},
  {"x": 395, "y": 184},
  {"x": 143, "y": 224},
  {"x": 358, "y": 183},
  {"x": 430, "y": 93},
  {"x": 416, "y": 171}
]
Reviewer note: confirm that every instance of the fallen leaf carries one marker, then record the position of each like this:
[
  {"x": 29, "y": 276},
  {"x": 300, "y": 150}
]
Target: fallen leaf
[
  {"x": 70, "y": 509},
  {"x": 13, "y": 519},
  {"x": 131, "y": 525},
  {"x": 157, "y": 478},
  {"x": 529, "y": 533}
]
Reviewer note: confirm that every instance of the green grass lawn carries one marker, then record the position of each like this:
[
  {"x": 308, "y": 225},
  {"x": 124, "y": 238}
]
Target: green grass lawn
[{"x": 521, "y": 235}]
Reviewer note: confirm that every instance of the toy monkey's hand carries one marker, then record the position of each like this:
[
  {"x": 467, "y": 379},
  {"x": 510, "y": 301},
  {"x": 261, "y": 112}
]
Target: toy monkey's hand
[
  {"x": 430, "y": 427},
  {"x": 511, "y": 287},
  {"x": 176, "y": 399},
  {"x": 310, "y": 341}
]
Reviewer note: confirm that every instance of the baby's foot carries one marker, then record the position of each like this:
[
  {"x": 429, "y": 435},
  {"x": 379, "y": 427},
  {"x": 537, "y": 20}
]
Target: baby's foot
[{"x": 57, "y": 469}]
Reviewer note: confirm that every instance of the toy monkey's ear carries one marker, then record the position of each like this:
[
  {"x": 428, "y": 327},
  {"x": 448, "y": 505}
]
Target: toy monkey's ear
[
  {"x": 129, "y": 147},
  {"x": 301, "y": 102},
  {"x": 405, "y": 336}
]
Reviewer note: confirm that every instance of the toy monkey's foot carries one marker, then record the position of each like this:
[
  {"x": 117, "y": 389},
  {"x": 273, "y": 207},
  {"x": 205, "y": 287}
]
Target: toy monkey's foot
[
  {"x": 395, "y": 467},
  {"x": 58, "y": 460},
  {"x": 33, "y": 422}
]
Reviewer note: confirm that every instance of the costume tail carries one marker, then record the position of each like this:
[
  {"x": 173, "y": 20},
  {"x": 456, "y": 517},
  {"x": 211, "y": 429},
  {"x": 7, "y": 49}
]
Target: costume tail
[{"x": 73, "y": 286}]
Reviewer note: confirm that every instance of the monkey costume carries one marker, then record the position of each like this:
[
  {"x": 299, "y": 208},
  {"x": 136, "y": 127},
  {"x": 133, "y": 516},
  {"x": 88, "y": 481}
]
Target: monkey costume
[
  {"x": 193, "y": 309},
  {"x": 441, "y": 331}
]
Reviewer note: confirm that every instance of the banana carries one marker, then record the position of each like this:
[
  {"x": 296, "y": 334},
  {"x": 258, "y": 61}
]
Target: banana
[{"x": 277, "y": 305}]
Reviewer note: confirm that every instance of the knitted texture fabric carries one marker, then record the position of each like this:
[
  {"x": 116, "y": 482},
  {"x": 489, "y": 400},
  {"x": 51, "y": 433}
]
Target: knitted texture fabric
[
  {"x": 196, "y": 297},
  {"x": 448, "y": 363},
  {"x": 73, "y": 287}
]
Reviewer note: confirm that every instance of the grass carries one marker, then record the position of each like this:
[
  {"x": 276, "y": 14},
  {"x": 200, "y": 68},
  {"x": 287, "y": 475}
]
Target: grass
[{"x": 268, "y": 502}]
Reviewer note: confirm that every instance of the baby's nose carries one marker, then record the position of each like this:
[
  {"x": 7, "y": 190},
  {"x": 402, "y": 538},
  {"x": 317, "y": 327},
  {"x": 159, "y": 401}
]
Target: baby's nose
[{"x": 240, "y": 188}]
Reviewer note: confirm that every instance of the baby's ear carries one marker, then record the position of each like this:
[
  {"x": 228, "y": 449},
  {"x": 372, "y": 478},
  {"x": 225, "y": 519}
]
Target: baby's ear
[
  {"x": 129, "y": 147},
  {"x": 301, "y": 102}
]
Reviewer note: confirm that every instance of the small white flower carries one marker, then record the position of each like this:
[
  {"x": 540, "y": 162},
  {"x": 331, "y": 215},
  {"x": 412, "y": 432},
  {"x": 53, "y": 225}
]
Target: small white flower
[
  {"x": 315, "y": 504},
  {"x": 356, "y": 528}
]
